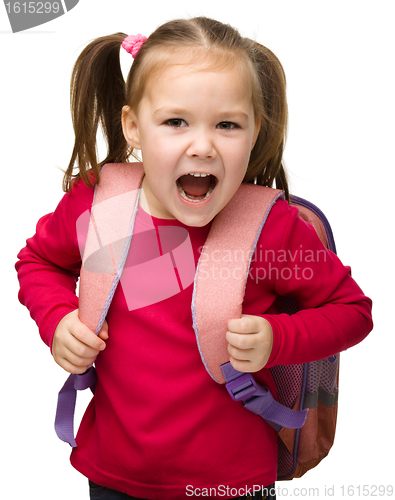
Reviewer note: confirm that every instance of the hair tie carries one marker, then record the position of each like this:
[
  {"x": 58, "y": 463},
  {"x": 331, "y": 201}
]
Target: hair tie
[{"x": 133, "y": 43}]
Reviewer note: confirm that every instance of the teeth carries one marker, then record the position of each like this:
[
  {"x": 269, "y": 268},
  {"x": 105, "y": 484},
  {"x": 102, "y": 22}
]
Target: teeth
[{"x": 197, "y": 174}]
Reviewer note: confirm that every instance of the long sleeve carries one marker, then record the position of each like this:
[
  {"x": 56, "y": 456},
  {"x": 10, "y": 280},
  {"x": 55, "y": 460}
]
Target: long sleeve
[
  {"x": 334, "y": 312},
  {"x": 48, "y": 267}
]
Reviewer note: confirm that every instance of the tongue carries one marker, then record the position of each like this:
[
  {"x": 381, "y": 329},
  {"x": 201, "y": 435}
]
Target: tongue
[{"x": 195, "y": 186}]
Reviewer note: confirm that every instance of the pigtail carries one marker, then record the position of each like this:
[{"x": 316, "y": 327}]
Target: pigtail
[
  {"x": 266, "y": 161},
  {"x": 97, "y": 95}
]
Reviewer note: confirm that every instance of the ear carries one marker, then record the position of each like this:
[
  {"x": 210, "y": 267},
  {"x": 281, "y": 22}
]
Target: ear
[{"x": 130, "y": 127}]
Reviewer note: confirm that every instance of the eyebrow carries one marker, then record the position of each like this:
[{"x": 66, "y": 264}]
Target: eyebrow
[{"x": 170, "y": 111}]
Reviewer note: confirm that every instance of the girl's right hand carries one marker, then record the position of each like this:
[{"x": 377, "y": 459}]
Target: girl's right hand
[{"x": 74, "y": 346}]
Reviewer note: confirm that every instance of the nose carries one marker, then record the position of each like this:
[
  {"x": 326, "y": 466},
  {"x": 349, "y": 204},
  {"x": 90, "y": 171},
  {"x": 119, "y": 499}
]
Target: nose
[{"x": 201, "y": 146}]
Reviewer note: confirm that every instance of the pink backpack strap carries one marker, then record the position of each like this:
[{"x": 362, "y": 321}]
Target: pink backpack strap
[
  {"x": 218, "y": 296},
  {"x": 105, "y": 249},
  {"x": 223, "y": 268},
  {"x": 107, "y": 244}
]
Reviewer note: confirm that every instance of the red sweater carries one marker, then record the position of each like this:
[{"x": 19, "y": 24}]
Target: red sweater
[{"x": 159, "y": 427}]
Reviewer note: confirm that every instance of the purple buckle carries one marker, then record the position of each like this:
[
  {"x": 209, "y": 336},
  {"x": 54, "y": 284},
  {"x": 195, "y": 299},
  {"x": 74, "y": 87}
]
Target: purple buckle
[{"x": 242, "y": 387}]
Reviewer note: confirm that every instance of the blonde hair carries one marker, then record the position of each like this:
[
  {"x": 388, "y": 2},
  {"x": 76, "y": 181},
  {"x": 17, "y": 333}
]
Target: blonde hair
[{"x": 98, "y": 92}]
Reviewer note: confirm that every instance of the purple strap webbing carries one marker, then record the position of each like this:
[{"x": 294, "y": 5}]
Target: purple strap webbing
[
  {"x": 64, "y": 419},
  {"x": 259, "y": 400}
]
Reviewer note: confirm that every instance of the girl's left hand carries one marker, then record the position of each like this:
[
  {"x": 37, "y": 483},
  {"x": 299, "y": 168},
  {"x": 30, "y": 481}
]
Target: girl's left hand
[{"x": 250, "y": 343}]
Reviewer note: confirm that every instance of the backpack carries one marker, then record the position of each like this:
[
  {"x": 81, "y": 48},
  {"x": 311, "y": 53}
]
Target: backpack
[{"x": 306, "y": 410}]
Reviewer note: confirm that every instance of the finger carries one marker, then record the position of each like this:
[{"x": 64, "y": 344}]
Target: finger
[
  {"x": 79, "y": 349},
  {"x": 242, "y": 366},
  {"x": 241, "y": 341},
  {"x": 79, "y": 361},
  {"x": 70, "y": 367},
  {"x": 103, "y": 334},
  {"x": 240, "y": 354},
  {"x": 244, "y": 325},
  {"x": 87, "y": 337},
  {"x": 245, "y": 360}
]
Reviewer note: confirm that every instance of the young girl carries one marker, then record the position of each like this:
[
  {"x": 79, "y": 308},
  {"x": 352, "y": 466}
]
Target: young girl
[{"x": 207, "y": 109}]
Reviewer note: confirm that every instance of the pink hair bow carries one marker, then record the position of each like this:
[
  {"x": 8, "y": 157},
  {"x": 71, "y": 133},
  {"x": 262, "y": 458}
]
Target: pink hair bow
[{"x": 133, "y": 43}]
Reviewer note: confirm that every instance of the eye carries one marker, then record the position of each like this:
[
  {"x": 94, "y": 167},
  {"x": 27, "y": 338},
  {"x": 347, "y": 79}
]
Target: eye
[
  {"x": 176, "y": 122},
  {"x": 227, "y": 125}
]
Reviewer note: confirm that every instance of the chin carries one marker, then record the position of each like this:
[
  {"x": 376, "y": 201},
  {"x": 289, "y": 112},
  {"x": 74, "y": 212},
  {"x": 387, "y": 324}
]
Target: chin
[{"x": 195, "y": 221}]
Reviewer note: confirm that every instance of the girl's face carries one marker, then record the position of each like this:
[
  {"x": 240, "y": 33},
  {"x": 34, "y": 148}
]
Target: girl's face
[{"x": 195, "y": 130}]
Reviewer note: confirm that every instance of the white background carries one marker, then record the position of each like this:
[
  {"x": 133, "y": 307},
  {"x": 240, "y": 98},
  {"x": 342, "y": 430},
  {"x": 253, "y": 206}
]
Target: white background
[{"x": 339, "y": 58}]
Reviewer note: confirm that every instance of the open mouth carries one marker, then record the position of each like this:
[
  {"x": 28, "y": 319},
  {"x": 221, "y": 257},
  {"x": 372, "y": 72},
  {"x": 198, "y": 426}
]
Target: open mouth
[{"x": 195, "y": 186}]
